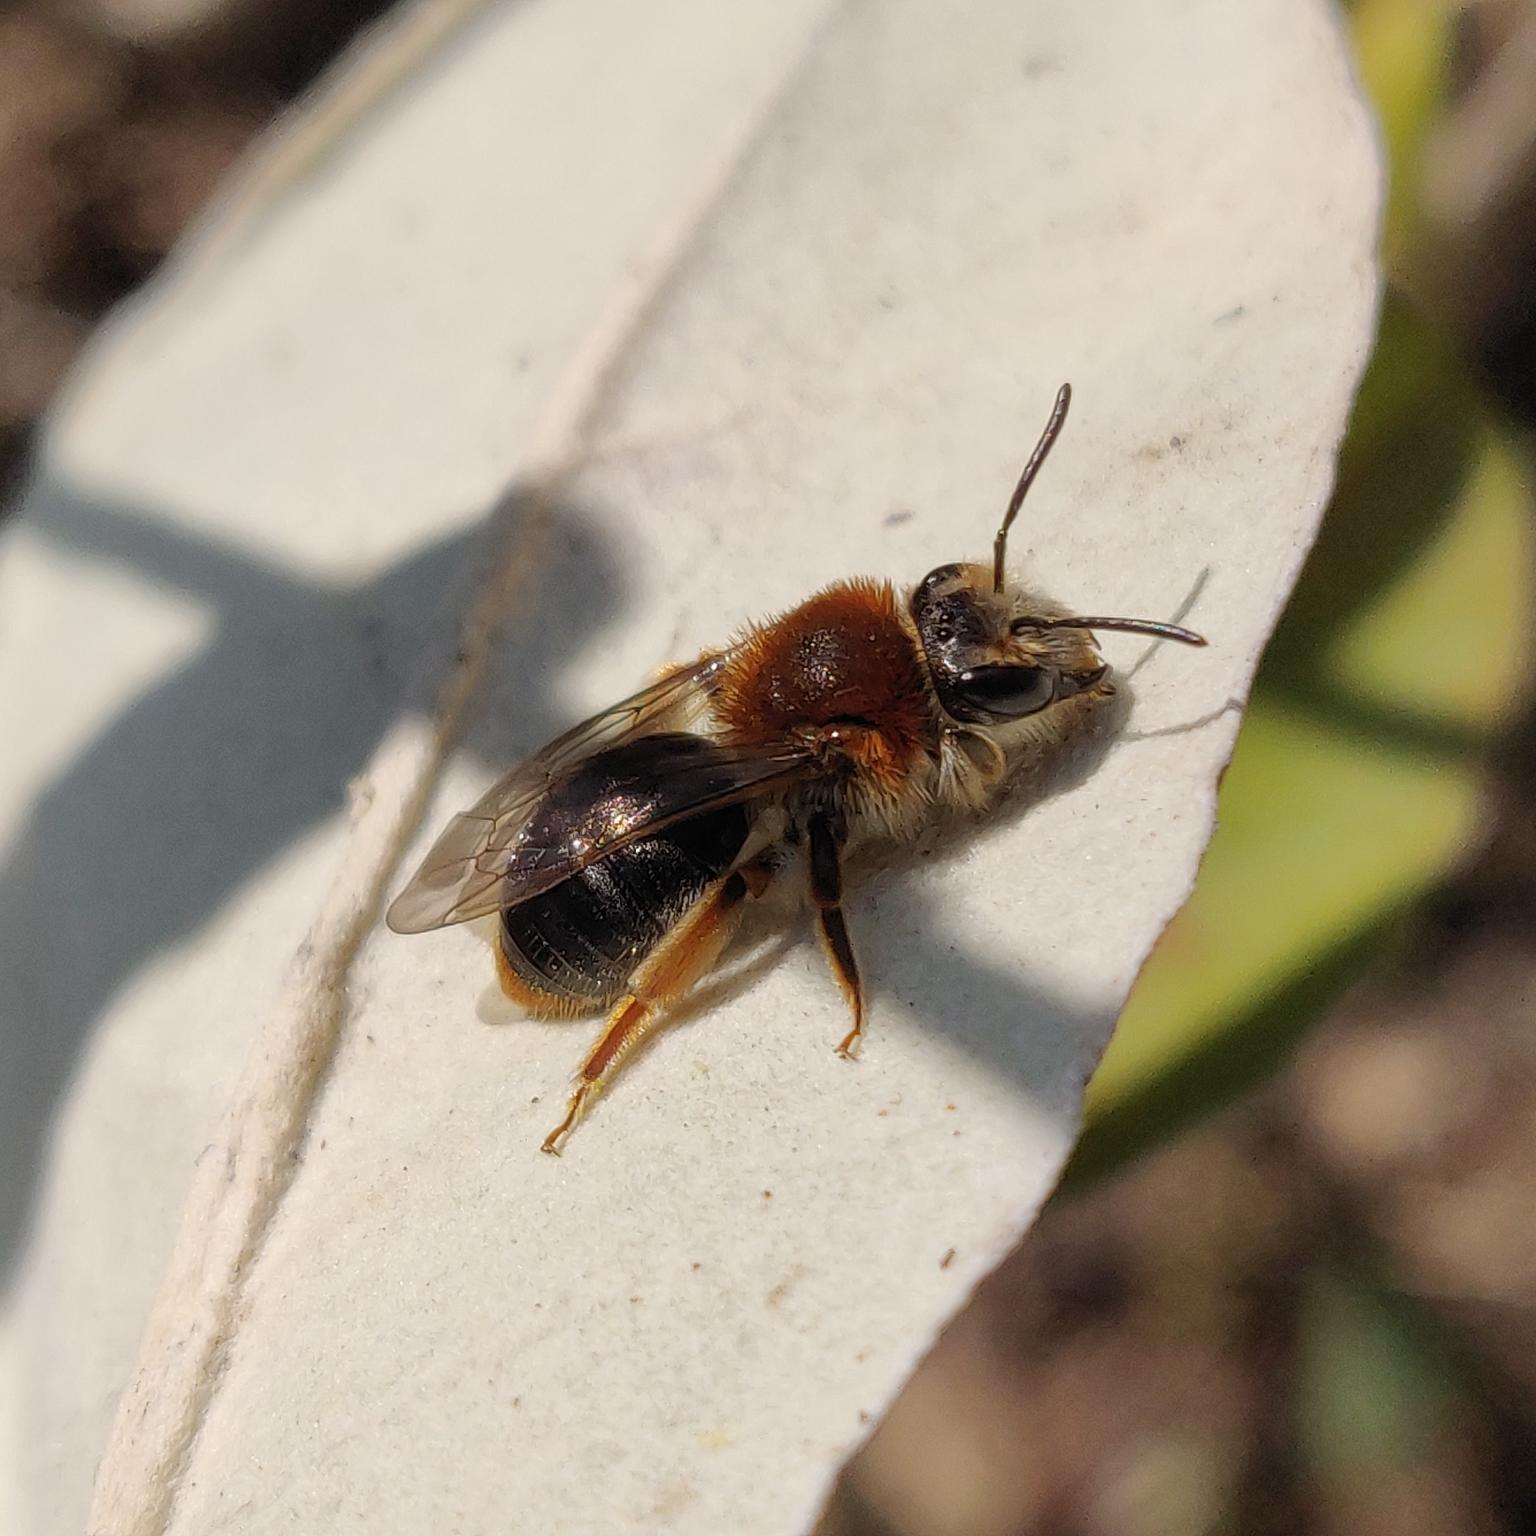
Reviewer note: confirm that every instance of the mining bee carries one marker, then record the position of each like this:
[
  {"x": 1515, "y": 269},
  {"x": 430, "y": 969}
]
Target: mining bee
[{"x": 618, "y": 860}]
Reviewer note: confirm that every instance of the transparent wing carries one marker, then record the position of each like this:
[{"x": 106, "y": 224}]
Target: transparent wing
[{"x": 485, "y": 860}]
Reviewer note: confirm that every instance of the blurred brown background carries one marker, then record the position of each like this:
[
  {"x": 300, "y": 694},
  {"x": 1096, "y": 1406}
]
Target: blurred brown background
[
  {"x": 117, "y": 119},
  {"x": 1306, "y": 1301}
]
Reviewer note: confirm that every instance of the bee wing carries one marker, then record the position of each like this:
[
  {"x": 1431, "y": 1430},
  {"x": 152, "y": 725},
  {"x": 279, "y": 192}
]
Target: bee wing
[{"x": 479, "y": 864}]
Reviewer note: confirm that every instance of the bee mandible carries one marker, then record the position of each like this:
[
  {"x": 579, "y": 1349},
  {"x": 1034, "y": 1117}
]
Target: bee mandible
[{"x": 619, "y": 859}]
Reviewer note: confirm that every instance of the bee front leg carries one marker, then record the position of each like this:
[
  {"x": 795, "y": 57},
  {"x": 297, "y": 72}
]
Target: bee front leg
[{"x": 826, "y": 875}]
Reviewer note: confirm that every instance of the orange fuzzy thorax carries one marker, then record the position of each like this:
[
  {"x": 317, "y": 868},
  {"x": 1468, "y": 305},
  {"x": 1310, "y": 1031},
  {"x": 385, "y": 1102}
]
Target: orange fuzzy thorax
[{"x": 843, "y": 659}]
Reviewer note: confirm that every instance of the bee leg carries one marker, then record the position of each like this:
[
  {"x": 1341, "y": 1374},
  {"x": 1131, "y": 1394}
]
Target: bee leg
[
  {"x": 683, "y": 956},
  {"x": 983, "y": 753},
  {"x": 826, "y": 896}
]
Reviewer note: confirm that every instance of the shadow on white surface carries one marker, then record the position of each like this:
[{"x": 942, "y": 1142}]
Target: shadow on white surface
[{"x": 213, "y": 772}]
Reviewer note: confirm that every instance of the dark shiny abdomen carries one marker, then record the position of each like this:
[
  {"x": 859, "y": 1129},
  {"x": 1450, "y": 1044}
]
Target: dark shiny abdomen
[{"x": 581, "y": 940}]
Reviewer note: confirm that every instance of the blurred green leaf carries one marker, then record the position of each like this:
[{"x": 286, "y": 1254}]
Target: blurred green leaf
[
  {"x": 1377, "y": 1382},
  {"x": 1411, "y": 444},
  {"x": 1404, "y": 50},
  {"x": 1446, "y": 643}
]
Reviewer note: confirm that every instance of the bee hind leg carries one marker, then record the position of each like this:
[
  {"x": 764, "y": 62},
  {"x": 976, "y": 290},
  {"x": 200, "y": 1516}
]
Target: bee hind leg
[
  {"x": 688, "y": 951},
  {"x": 826, "y": 875}
]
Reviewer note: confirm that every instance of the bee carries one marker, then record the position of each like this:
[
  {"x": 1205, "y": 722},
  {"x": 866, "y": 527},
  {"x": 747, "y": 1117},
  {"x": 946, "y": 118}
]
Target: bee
[{"x": 619, "y": 859}]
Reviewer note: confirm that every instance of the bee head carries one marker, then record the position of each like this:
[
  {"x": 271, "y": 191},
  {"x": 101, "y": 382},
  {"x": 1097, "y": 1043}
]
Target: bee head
[{"x": 996, "y": 655}]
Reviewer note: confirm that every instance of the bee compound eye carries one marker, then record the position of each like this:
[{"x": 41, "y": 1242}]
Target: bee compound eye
[{"x": 1004, "y": 692}]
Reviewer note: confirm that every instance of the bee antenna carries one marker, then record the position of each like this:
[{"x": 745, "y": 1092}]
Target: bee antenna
[
  {"x": 1130, "y": 626},
  {"x": 1031, "y": 469}
]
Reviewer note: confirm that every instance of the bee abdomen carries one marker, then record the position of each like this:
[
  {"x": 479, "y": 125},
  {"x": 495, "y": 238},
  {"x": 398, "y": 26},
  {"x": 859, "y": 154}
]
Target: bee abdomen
[{"x": 579, "y": 942}]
